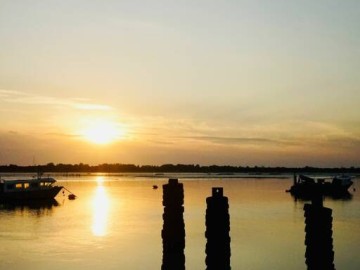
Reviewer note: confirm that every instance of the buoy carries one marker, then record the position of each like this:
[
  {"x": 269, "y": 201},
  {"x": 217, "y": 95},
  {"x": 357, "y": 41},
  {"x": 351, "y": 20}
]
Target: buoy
[{"x": 71, "y": 196}]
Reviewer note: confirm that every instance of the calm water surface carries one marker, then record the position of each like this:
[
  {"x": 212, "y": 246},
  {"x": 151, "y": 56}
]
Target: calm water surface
[{"x": 116, "y": 223}]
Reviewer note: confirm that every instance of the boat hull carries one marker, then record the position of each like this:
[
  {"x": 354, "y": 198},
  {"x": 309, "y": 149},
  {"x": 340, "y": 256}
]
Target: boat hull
[
  {"x": 38, "y": 194},
  {"x": 328, "y": 189}
]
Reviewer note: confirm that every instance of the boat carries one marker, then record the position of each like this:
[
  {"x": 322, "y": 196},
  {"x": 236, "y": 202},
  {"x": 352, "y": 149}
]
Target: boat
[
  {"x": 38, "y": 188},
  {"x": 305, "y": 186}
]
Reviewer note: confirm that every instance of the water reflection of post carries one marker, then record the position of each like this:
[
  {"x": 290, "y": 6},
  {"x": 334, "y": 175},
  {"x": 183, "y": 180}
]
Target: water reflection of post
[
  {"x": 217, "y": 231},
  {"x": 318, "y": 239},
  {"x": 173, "y": 233}
]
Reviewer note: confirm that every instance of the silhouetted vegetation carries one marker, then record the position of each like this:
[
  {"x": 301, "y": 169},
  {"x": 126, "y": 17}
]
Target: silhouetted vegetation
[{"x": 167, "y": 168}]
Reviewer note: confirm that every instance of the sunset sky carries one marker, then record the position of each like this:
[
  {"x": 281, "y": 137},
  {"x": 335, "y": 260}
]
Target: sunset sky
[{"x": 239, "y": 82}]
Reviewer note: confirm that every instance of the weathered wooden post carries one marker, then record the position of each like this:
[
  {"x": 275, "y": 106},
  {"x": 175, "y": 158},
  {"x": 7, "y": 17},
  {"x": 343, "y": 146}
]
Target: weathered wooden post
[
  {"x": 217, "y": 231},
  {"x": 173, "y": 233},
  {"x": 318, "y": 234}
]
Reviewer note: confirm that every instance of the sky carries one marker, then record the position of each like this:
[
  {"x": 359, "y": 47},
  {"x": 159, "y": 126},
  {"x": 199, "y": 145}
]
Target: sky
[{"x": 245, "y": 82}]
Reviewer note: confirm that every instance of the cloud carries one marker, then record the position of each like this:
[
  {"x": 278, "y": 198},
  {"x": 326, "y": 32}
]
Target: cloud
[
  {"x": 294, "y": 135},
  {"x": 350, "y": 143},
  {"x": 92, "y": 107},
  {"x": 12, "y": 96},
  {"x": 7, "y": 93},
  {"x": 62, "y": 135},
  {"x": 233, "y": 140}
]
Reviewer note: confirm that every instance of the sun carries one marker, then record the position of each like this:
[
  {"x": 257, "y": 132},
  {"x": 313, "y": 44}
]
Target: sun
[{"x": 103, "y": 132}]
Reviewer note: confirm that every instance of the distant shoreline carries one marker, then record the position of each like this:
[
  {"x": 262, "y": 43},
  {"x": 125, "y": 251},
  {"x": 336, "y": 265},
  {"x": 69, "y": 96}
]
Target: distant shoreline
[{"x": 224, "y": 170}]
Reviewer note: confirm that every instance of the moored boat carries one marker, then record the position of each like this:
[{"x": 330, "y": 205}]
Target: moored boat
[
  {"x": 305, "y": 186},
  {"x": 28, "y": 189}
]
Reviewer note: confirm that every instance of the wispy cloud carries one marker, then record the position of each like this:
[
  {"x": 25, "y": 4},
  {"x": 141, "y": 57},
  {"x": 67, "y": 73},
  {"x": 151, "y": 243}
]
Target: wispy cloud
[
  {"x": 341, "y": 142},
  {"x": 12, "y": 96},
  {"x": 8, "y": 93},
  {"x": 62, "y": 135},
  {"x": 280, "y": 135},
  {"x": 91, "y": 107},
  {"x": 234, "y": 140}
]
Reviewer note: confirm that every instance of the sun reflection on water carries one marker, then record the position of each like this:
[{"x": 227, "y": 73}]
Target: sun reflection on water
[{"x": 100, "y": 209}]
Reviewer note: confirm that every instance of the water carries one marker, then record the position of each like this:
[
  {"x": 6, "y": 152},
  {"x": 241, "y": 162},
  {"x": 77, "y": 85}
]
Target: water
[{"x": 116, "y": 223}]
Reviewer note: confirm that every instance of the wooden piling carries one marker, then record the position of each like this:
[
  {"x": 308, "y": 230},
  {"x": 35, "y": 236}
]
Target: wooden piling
[
  {"x": 173, "y": 233},
  {"x": 217, "y": 231}
]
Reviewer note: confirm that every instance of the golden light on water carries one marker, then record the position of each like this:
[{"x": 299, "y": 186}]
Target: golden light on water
[
  {"x": 100, "y": 209},
  {"x": 100, "y": 180},
  {"x": 103, "y": 132}
]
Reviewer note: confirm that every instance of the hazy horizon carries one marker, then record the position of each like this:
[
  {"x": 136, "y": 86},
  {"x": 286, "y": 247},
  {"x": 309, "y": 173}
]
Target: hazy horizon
[
  {"x": 266, "y": 83},
  {"x": 251, "y": 168}
]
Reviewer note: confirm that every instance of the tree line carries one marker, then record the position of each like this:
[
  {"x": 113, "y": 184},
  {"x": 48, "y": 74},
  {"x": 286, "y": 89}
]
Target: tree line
[{"x": 165, "y": 168}]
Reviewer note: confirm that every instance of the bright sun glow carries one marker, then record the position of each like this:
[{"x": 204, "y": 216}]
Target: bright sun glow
[{"x": 103, "y": 132}]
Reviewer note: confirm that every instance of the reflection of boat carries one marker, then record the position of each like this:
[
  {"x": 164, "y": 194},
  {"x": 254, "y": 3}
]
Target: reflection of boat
[
  {"x": 306, "y": 186},
  {"x": 41, "y": 204},
  {"x": 28, "y": 189}
]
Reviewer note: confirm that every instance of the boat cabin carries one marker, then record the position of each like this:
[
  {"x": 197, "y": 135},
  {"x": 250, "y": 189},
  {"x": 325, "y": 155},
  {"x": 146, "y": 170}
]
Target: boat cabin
[
  {"x": 12, "y": 185},
  {"x": 302, "y": 179}
]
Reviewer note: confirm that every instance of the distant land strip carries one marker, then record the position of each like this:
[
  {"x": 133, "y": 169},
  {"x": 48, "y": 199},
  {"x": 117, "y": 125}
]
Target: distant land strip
[{"x": 167, "y": 168}]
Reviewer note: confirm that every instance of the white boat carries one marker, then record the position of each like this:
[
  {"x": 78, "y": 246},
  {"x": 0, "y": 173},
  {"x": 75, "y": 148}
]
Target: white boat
[{"x": 29, "y": 189}]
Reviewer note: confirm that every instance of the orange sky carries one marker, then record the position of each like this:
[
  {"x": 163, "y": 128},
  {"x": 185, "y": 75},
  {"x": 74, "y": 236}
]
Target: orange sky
[{"x": 271, "y": 83}]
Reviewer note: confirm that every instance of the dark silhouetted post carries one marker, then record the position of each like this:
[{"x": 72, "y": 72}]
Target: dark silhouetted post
[
  {"x": 173, "y": 233},
  {"x": 318, "y": 239},
  {"x": 217, "y": 231}
]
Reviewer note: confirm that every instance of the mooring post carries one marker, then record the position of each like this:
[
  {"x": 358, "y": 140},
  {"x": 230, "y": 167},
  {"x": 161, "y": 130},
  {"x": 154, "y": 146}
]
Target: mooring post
[
  {"x": 173, "y": 232},
  {"x": 217, "y": 231},
  {"x": 318, "y": 235}
]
